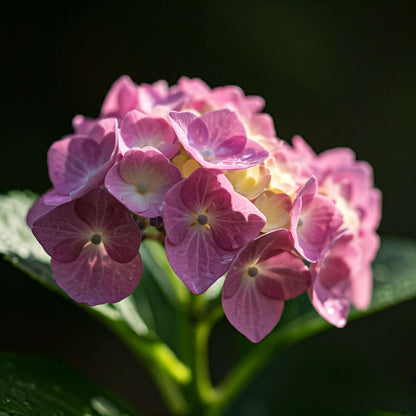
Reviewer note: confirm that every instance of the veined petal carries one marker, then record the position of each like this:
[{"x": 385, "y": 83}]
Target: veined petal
[
  {"x": 95, "y": 278},
  {"x": 141, "y": 180},
  {"x": 250, "y": 312},
  {"x": 105, "y": 215},
  {"x": 138, "y": 130},
  {"x": 197, "y": 260},
  {"x": 61, "y": 232},
  {"x": 217, "y": 140}
]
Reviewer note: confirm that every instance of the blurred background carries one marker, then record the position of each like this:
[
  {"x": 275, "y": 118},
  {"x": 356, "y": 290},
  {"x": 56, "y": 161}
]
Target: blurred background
[{"x": 339, "y": 73}]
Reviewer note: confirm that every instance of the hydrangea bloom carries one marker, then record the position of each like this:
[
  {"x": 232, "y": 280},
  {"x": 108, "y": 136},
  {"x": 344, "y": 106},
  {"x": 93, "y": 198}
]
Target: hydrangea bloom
[{"x": 204, "y": 166}]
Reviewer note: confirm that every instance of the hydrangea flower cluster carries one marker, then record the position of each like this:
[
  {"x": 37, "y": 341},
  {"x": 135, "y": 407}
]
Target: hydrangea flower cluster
[{"x": 227, "y": 197}]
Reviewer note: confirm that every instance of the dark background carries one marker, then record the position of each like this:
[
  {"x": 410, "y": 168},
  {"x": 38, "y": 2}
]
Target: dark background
[{"x": 339, "y": 73}]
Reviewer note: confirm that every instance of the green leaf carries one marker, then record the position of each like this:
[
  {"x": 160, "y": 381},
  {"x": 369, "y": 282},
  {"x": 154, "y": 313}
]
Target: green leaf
[
  {"x": 17, "y": 242},
  {"x": 41, "y": 387}
]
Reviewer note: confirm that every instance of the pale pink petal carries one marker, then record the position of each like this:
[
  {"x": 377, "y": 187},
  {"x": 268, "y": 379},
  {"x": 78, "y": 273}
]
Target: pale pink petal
[
  {"x": 362, "y": 279},
  {"x": 138, "y": 130},
  {"x": 141, "y": 180},
  {"x": 95, "y": 278}
]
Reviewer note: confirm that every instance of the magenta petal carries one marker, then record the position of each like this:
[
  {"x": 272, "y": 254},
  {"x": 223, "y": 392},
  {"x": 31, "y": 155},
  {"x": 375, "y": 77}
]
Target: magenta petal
[
  {"x": 61, "y": 233},
  {"x": 122, "y": 97},
  {"x": 95, "y": 278},
  {"x": 105, "y": 214},
  {"x": 198, "y": 261},
  {"x": 250, "y": 312}
]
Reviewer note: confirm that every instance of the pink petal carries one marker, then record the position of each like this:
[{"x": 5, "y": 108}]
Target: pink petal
[
  {"x": 331, "y": 290},
  {"x": 180, "y": 123},
  {"x": 137, "y": 130},
  {"x": 220, "y": 125},
  {"x": 61, "y": 232},
  {"x": 40, "y": 207},
  {"x": 79, "y": 163},
  {"x": 217, "y": 140},
  {"x": 283, "y": 276},
  {"x": 122, "y": 97},
  {"x": 235, "y": 221},
  {"x": 250, "y": 312},
  {"x": 105, "y": 214},
  {"x": 362, "y": 279},
  {"x": 177, "y": 217},
  {"x": 198, "y": 261},
  {"x": 314, "y": 221},
  {"x": 333, "y": 302},
  {"x": 139, "y": 167},
  {"x": 95, "y": 278}
]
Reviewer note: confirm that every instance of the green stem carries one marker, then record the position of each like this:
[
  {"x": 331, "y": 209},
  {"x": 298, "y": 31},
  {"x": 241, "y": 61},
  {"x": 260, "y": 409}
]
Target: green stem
[
  {"x": 167, "y": 370},
  {"x": 201, "y": 319}
]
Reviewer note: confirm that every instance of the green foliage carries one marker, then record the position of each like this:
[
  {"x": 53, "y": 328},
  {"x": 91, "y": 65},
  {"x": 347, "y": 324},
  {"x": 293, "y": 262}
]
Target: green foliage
[
  {"x": 17, "y": 243},
  {"x": 40, "y": 387}
]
